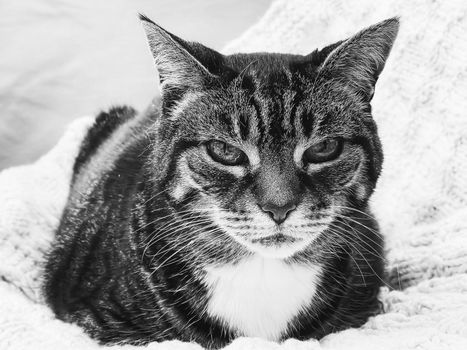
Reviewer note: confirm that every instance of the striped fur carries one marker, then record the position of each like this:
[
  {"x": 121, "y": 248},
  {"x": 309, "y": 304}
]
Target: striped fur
[{"x": 153, "y": 222}]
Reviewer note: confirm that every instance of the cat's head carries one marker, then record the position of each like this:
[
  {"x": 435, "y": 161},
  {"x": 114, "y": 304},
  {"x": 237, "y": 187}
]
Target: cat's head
[{"x": 268, "y": 148}]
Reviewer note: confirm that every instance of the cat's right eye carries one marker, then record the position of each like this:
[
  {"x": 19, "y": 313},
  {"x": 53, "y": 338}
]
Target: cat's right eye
[{"x": 225, "y": 153}]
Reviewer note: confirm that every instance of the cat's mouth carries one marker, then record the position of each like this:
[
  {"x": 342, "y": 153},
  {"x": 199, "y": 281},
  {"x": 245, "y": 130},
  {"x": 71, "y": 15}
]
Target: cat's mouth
[
  {"x": 275, "y": 240},
  {"x": 277, "y": 245}
]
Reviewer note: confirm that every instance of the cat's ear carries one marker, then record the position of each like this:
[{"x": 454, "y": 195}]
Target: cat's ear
[
  {"x": 358, "y": 61},
  {"x": 175, "y": 61}
]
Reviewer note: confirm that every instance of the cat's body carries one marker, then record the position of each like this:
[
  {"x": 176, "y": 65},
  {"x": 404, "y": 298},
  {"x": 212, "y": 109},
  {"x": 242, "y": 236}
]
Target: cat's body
[{"x": 159, "y": 242}]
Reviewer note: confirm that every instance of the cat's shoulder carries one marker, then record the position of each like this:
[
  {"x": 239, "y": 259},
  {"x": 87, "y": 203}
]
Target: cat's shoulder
[{"x": 104, "y": 125}]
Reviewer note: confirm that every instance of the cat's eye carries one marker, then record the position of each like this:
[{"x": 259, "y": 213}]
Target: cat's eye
[
  {"x": 323, "y": 151},
  {"x": 225, "y": 153}
]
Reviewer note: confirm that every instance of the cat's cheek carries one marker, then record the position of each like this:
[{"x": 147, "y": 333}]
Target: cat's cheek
[
  {"x": 361, "y": 192},
  {"x": 208, "y": 178},
  {"x": 357, "y": 190},
  {"x": 180, "y": 191},
  {"x": 182, "y": 183},
  {"x": 357, "y": 183},
  {"x": 326, "y": 181},
  {"x": 338, "y": 174}
]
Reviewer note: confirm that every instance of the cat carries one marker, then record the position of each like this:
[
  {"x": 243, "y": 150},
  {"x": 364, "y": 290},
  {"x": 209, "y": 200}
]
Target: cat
[{"x": 235, "y": 205}]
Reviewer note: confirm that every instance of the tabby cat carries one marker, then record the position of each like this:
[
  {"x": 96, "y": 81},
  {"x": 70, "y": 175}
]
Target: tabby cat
[{"x": 235, "y": 205}]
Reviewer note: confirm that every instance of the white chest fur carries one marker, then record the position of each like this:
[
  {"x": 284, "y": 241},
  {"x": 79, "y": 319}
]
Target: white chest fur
[{"x": 257, "y": 297}]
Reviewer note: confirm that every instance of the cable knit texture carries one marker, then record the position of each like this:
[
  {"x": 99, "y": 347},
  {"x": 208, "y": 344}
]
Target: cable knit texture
[{"x": 420, "y": 106}]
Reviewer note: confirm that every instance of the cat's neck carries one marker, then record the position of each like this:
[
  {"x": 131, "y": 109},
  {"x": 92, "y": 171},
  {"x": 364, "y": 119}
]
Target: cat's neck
[{"x": 259, "y": 296}]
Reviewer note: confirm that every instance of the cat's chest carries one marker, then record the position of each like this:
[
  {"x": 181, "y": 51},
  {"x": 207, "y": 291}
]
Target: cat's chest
[{"x": 258, "y": 297}]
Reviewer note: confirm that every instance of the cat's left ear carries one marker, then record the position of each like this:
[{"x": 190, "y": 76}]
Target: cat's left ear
[
  {"x": 176, "y": 60},
  {"x": 358, "y": 61}
]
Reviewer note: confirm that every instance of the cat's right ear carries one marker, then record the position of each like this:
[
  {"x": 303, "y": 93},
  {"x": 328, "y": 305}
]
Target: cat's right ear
[{"x": 178, "y": 68}]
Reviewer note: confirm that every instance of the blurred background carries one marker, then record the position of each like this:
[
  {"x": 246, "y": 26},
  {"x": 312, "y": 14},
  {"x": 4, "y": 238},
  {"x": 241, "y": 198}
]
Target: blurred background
[{"x": 62, "y": 59}]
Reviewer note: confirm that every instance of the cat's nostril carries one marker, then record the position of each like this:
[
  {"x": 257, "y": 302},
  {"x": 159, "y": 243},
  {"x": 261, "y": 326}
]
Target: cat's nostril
[{"x": 278, "y": 213}]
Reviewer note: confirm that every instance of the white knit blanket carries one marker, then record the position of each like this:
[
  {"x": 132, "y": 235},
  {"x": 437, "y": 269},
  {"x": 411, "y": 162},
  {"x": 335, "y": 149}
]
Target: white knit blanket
[{"x": 421, "y": 200}]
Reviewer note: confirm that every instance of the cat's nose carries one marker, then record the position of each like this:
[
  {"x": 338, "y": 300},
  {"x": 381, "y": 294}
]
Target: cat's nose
[{"x": 278, "y": 213}]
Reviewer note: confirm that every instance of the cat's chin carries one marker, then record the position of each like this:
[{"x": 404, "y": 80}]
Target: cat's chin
[{"x": 276, "y": 246}]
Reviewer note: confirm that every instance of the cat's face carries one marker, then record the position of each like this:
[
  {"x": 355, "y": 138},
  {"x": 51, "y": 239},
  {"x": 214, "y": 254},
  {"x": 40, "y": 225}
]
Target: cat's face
[{"x": 268, "y": 148}]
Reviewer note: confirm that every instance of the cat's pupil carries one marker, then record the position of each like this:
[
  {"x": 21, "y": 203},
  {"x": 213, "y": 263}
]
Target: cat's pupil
[
  {"x": 325, "y": 146},
  {"x": 229, "y": 151}
]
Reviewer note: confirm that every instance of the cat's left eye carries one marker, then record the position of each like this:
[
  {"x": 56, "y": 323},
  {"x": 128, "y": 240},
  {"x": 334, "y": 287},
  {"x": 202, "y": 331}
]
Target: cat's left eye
[
  {"x": 225, "y": 153},
  {"x": 323, "y": 151}
]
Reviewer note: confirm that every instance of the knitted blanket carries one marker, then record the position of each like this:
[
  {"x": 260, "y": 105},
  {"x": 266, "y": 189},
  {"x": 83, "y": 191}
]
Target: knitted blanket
[{"x": 420, "y": 106}]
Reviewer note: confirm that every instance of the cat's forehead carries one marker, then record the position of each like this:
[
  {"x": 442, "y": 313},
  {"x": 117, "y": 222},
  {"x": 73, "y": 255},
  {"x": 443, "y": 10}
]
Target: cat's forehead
[
  {"x": 271, "y": 104},
  {"x": 269, "y": 121},
  {"x": 273, "y": 118}
]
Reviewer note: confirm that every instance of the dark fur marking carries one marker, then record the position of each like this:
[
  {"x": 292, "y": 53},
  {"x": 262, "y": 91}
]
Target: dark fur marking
[{"x": 103, "y": 127}]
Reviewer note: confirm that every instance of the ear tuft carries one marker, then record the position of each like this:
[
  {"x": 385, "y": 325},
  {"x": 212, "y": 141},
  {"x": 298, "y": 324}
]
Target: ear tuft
[
  {"x": 144, "y": 18},
  {"x": 358, "y": 61}
]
